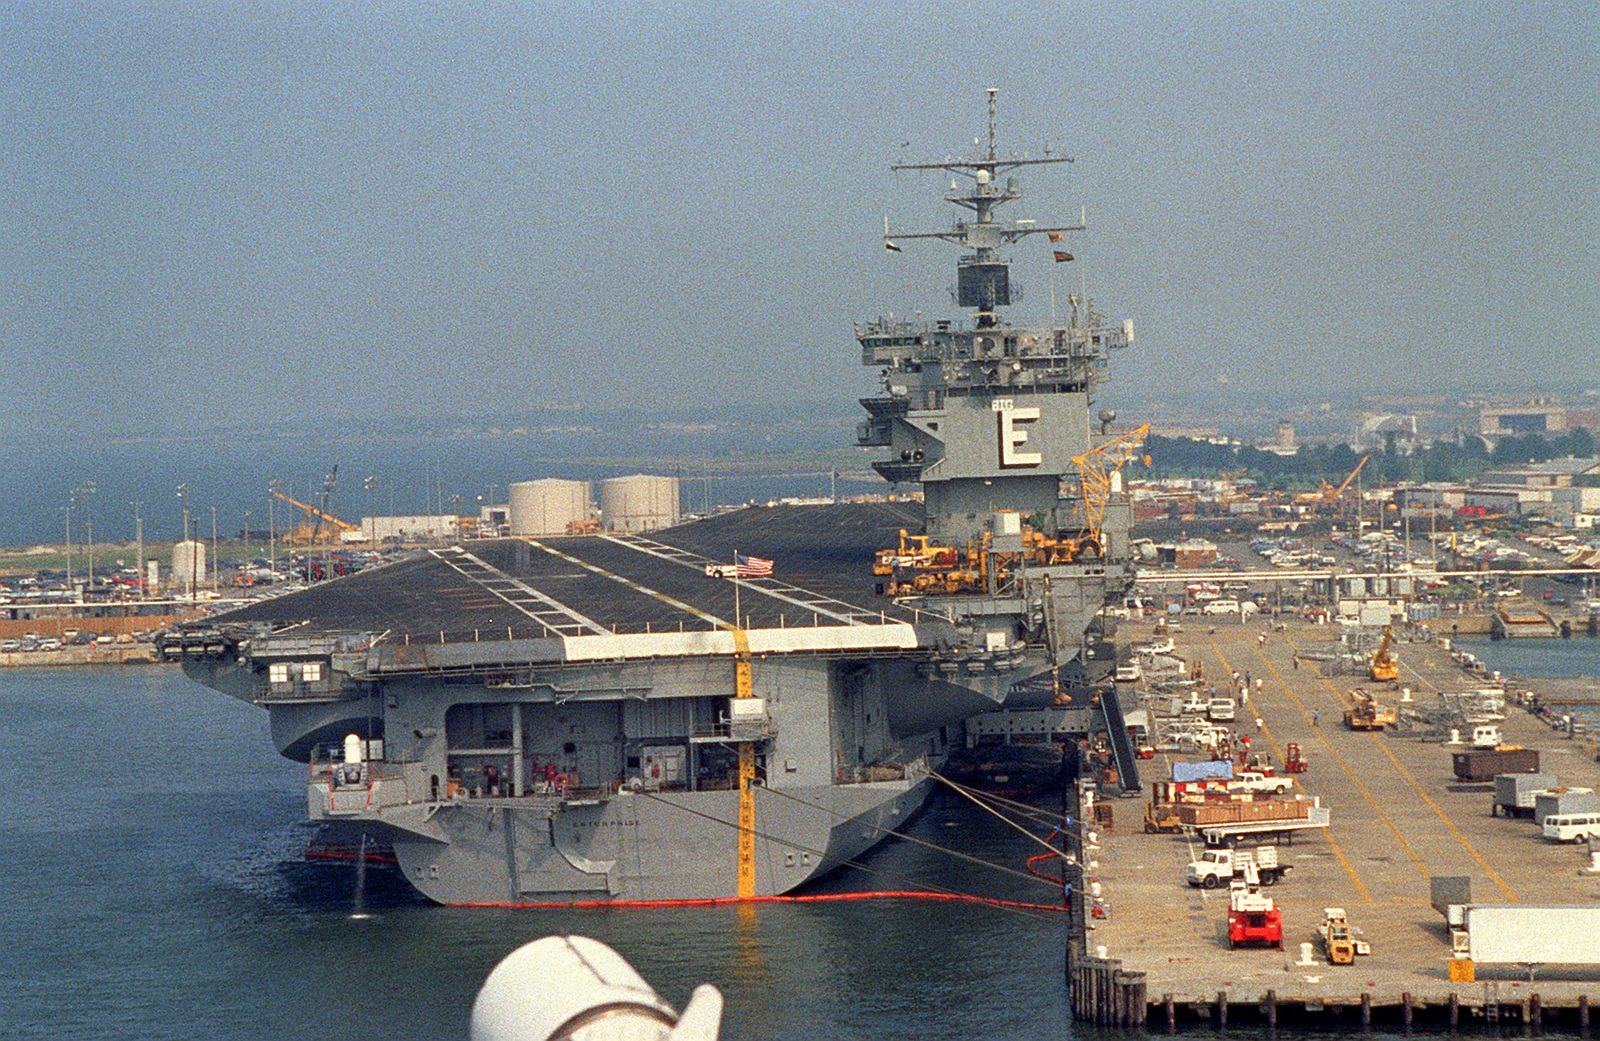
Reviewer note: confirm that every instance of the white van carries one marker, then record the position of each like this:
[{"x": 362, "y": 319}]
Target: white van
[
  {"x": 1221, "y": 607},
  {"x": 1221, "y": 710},
  {"x": 1571, "y": 827}
]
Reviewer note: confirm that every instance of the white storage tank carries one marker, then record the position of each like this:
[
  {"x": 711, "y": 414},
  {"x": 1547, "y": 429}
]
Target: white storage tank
[
  {"x": 638, "y": 503},
  {"x": 188, "y": 565},
  {"x": 549, "y": 506}
]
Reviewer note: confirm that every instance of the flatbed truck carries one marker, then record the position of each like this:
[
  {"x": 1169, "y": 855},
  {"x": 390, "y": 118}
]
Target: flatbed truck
[{"x": 1216, "y": 866}]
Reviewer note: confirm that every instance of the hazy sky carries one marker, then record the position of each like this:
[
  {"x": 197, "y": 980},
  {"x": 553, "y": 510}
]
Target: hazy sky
[{"x": 229, "y": 211}]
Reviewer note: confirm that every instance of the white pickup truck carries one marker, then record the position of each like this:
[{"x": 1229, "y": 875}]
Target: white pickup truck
[{"x": 1256, "y": 781}]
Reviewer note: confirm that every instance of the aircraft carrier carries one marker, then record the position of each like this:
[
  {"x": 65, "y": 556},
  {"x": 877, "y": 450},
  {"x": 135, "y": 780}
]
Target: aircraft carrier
[{"x": 622, "y": 717}]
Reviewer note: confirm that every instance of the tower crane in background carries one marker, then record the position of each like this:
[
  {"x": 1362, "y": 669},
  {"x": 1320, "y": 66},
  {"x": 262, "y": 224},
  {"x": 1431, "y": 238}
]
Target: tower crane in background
[{"x": 309, "y": 531}]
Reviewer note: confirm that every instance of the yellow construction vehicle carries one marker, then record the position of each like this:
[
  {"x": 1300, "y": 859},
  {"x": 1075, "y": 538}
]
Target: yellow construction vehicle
[
  {"x": 1327, "y": 494},
  {"x": 1335, "y": 930},
  {"x": 1366, "y": 713},
  {"x": 926, "y": 568},
  {"x": 914, "y": 552},
  {"x": 311, "y": 530},
  {"x": 1383, "y": 667},
  {"x": 923, "y": 567}
]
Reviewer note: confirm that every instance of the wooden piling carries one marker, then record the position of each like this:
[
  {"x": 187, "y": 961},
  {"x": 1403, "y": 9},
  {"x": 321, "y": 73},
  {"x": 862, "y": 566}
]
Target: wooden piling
[
  {"x": 1455, "y": 1011},
  {"x": 1222, "y": 1010},
  {"x": 1272, "y": 1010},
  {"x": 1172, "y": 1013},
  {"x": 1366, "y": 1011},
  {"x": 1405, "y": 1010},
  {"x": 1583, "y": 1015},
  {"x": 1536, "y": 1013}
]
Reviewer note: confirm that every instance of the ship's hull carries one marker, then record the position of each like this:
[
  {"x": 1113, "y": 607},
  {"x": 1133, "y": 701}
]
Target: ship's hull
[{"x": 647, "y": 846}]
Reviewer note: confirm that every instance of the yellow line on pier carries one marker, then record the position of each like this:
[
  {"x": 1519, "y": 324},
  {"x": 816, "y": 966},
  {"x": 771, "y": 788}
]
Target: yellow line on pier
[
  {"x": 1416, "y": 787},
  {"x": 1416, "y": 859},
  {"x": 1338, "y": 850},
  {"x": 1451, "y": 825}
]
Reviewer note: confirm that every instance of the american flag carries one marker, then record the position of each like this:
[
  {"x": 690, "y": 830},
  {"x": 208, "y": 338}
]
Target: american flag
[{"x": 750, "y": 567}]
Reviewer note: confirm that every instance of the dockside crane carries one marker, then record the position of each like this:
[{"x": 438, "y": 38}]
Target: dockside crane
[
  {"x": 310, "y": 530},
  {"x": 1096, "y": 469},
  {"x": 1327, "y": 494}
]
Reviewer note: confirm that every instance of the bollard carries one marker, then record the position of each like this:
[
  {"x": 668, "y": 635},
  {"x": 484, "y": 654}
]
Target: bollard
[
  {"x": 1305, "y": 955},
  {"x": 1100, "y": 952}
]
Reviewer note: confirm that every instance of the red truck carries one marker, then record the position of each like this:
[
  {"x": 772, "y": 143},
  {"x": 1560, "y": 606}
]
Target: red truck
[{"x": 1253, "y": 919}]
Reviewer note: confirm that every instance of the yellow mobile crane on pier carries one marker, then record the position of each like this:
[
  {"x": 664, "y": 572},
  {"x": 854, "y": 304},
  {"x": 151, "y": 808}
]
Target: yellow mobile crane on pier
[{"x": 1383, "y": 667}]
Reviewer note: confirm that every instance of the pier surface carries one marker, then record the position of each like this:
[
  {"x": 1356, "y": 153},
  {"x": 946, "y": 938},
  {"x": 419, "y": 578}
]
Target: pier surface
[{"x": 1398, "y": 817}]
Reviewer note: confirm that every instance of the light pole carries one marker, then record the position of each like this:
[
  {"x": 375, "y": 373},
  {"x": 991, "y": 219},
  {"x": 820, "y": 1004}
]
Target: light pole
[
  {"x": 272, "y": 529},
  {"x": 247, "y": 561},
  {"x": 88, "y": 546},
  {"x": 138, "y": 534},
  {"x": 216, "y": 568},
  {"x": 72, "y": 501},
  {"x": 370, "y": 485},
  {"x": 194, "y": 563}
]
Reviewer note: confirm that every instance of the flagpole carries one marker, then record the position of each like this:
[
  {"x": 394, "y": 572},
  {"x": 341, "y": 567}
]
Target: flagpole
[{"x": 736, "y": 583}]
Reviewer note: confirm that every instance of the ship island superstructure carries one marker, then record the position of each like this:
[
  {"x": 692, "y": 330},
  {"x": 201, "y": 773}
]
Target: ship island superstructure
[
  {"x": 629, "y": 717},
  {"x": 1026, "y": 532}
]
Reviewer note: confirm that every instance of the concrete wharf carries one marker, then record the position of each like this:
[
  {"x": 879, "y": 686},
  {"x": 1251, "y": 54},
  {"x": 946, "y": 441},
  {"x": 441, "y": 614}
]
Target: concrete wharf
[{"x": 1398, "y": 817}]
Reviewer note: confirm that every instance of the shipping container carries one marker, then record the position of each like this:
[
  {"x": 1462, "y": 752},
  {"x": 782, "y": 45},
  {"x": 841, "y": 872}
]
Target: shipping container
[{"x": 1482, "y": 764}]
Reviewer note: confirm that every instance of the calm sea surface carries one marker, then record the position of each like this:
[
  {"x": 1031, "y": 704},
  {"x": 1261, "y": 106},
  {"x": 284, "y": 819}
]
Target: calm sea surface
[{"x": 1579, "y": 656}]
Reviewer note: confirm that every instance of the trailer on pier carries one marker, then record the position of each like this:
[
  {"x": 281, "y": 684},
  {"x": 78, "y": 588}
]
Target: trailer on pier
[
  {"x": 1528, "y": 934},
  {"x": 1225, "y": 824}
]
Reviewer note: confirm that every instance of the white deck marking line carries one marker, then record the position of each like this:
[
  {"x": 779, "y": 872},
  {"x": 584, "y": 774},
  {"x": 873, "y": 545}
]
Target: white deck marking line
[
  {"x": 704, "y": 616},
  {"x": 496, "y": 577},
  {"x": 772, "y": 587}
]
